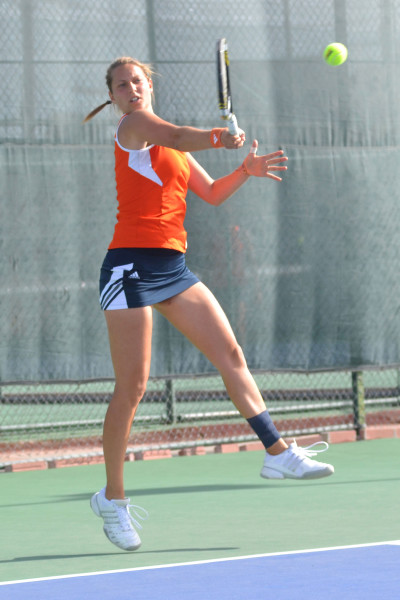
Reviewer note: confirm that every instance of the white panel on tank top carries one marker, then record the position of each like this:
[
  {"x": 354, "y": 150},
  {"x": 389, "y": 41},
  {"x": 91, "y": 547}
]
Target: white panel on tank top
[{"x": 140, "y": 161}]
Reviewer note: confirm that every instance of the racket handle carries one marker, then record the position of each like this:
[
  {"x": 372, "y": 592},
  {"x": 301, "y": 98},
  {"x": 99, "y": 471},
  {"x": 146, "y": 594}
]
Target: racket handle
[{"x": 232, "y": 125}]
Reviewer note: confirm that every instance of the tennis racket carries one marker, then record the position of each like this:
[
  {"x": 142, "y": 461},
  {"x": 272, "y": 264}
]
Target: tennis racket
[{"x": 224, "y": 88}]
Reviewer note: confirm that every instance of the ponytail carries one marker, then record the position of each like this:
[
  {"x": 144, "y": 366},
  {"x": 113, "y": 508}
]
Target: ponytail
[{"x": 95, "y": 111}]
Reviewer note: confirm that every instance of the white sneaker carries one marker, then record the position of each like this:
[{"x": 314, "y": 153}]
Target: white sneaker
[
  {"x": 118, "y": 520},
  {"x": 295, "y": 463}
]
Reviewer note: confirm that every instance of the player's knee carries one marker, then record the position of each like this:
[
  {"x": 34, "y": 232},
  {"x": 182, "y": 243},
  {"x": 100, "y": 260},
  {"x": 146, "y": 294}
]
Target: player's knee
[
  {"x": 131, "y": 392},
  {"x": 139, "y": 392},
  {"x": 235, "y": 358}
]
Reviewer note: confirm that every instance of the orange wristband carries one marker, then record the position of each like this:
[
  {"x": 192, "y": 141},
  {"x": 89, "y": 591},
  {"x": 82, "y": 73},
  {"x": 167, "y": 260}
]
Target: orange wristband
[{"x": 215, "y": 137}]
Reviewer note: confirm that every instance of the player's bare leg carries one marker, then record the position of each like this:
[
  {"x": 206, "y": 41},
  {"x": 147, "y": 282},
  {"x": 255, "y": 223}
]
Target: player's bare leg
[
  {"x": 130, "y": 343},
  {"x": 129, "y": 333},
  {"x": 198, "y": 315}
]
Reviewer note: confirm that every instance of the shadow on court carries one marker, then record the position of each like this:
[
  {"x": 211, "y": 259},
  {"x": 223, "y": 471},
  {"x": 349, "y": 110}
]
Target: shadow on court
[
  {"x": 207, "y": 489},
  {"x": 47, "y": 557}
]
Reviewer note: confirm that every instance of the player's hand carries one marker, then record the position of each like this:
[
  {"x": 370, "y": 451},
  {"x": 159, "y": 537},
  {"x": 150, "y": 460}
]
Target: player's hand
[
  {"x": 264, "y": 166},
  {"x": 232, "y": 142}
]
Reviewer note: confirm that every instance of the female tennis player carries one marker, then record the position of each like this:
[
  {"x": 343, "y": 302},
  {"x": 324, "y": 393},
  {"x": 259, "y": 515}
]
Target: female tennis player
[{"x": 144, "y": 268}]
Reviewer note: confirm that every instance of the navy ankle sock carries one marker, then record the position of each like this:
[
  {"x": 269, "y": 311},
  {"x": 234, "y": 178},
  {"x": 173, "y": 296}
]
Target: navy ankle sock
[{"x": 264, "y": 427}]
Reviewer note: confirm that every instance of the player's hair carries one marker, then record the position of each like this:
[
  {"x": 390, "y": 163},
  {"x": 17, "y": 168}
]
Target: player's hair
[{"x": 123, "y": 60}]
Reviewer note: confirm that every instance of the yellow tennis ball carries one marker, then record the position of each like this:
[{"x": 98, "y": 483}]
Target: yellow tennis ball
[{"x": 335, "y": 54}]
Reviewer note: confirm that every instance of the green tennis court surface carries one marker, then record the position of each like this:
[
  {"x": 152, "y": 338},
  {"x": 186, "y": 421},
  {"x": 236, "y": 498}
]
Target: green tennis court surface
[{"x": 201, "y": 508}]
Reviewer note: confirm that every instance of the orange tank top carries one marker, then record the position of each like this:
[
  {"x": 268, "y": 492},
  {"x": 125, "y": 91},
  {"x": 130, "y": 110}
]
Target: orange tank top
[{"x": 151, "y": 192}]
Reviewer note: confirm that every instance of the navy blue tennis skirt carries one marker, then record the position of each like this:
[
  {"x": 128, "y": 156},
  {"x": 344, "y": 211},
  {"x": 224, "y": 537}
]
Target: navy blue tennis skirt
[{"x": 135, "y": 277}]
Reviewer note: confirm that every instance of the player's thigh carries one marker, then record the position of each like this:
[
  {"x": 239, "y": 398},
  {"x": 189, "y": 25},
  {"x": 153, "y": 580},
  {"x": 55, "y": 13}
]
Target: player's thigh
[
  {"x": 198, "y": 315},
  {"x": 129, "y": 332}
]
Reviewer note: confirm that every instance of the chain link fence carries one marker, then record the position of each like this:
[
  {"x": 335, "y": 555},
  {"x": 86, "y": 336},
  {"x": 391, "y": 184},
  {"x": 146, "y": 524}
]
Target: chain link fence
[
  {"x": 61, "y": 423},
  {"x": 307, "y": 270}
]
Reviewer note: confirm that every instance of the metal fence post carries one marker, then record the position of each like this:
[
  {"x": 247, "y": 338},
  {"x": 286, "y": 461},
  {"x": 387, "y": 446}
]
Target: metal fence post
[
  {"x": 171, "y": 401},
  {"x": 358, "y": 402}
]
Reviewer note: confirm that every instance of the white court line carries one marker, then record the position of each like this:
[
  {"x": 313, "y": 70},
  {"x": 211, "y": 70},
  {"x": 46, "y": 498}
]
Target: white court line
[{"x": 203, "y": 562}]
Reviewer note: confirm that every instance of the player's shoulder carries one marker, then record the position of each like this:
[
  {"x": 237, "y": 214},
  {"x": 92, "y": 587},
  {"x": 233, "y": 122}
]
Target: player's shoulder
[
  {"x": 131, "y": 131},
  {"x": 138, "y": 116}
]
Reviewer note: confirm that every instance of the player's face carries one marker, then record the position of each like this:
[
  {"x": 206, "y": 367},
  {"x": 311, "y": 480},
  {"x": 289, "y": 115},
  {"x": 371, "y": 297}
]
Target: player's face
[{"x": 131, "y": 89}]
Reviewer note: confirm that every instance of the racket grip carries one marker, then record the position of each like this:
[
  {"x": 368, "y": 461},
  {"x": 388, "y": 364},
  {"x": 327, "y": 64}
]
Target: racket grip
[{"x": 232, "y": 125}]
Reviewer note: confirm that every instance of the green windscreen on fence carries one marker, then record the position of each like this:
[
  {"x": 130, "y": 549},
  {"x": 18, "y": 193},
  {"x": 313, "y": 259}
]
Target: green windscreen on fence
[{"x": 307, "y": 270}]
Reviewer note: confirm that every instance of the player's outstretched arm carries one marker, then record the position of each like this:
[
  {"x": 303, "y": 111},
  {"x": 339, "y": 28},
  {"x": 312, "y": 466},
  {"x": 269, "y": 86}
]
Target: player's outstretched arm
[
  {"x": 217, "y": 191},
  {"x": 144, "y": 127}
]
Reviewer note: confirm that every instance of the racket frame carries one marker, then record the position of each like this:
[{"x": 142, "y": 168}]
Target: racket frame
[{"x": 224, "y": 87}]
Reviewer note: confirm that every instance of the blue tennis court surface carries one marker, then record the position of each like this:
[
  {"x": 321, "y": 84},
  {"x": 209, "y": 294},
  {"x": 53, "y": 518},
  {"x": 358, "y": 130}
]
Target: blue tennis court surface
[{"x": 367, "y": 572}]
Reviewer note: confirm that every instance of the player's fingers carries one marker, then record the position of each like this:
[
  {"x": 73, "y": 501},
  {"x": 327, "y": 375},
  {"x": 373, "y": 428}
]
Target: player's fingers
[
  {"x": 277, "y": 153},
  {"x": 273, "y": 161},
  {"x": 254, "y": 147},
  {"x": 235, "y": 145},
  {"x": 275, "y": 177}
]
